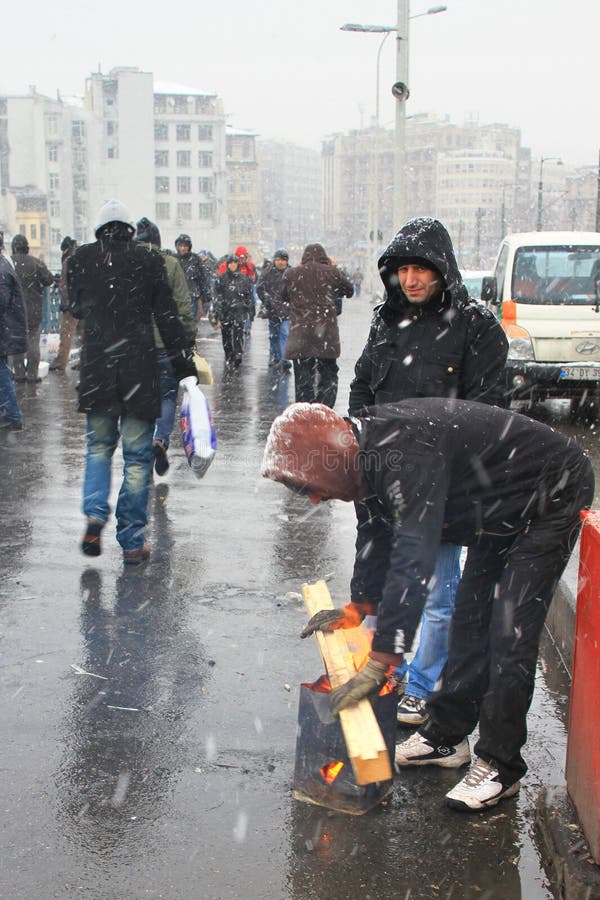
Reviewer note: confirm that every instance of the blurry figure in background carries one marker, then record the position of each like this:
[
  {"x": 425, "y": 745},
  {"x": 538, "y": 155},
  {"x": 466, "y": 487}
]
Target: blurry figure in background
[
  {"x": 13, "y": 339},
  {"x": 120, "y": 290},
  {"x": 197, "y": 276},
  {"x": 314, "y": 291},
  {"x": 233, "y": 304},
  {"x": 34, "y": 277},
  {"x": 148, "y": 236},
  {"x": 275, "y": 307},
  {"x": 246, "y": 267},
  {"x": 357, "y": 280},
  {"x": 68, "y": 324}
]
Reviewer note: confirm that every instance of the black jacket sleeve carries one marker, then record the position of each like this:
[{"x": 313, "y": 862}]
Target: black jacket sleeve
[
  {"x": 486, "y": 348},
  {"x": 361, "y": 395}
]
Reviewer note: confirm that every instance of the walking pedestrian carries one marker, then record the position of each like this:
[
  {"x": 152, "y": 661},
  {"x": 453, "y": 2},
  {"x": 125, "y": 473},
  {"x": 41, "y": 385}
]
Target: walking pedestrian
[
  {"x": 428, "y": 339},
  {"x": 13, "y": 339},
  {"x": 276, "y": 308},
  {"x": 119, "y": 290},
  {"x": 508, "y": 488},
  {"x": 233, "y": 304},
  {"x": 34, "y": 277},
  {"x": 315, "y": 290},
  {"x": 148, "y": 236},
  {"x": 68, "y": 324},
  {"x": 197, "y": 276}
]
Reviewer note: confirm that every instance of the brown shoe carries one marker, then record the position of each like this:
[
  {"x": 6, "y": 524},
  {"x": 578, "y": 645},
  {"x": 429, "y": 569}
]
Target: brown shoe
[{"x": 136, "y": 557}]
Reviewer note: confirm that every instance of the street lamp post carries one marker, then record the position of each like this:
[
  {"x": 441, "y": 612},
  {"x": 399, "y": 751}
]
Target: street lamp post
[
  {"x": 401, "y": 93},
  {"x": 540, "y": 200}
]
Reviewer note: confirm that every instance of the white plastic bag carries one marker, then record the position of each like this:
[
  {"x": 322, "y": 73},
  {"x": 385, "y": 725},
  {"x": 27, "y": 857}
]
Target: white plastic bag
[{"x": 197, "y": 428}]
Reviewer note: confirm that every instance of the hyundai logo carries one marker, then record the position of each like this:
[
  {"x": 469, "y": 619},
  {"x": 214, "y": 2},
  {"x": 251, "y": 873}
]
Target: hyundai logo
[{"x": 587, "y": 347}]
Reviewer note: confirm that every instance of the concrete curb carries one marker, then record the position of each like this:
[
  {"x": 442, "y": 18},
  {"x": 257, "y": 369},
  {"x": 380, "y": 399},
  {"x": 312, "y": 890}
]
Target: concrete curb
[{"x": 566, "y": 856}]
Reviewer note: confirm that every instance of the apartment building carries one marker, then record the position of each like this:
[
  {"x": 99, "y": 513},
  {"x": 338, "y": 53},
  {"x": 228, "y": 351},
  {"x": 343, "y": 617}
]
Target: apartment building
[
  {"x": 290, "y": 207},
  {"x": 242, "y": 191}
]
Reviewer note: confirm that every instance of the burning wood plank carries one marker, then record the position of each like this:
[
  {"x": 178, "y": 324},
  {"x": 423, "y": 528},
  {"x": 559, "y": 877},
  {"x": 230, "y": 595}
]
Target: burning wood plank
[{"x": 364, "y": 741}]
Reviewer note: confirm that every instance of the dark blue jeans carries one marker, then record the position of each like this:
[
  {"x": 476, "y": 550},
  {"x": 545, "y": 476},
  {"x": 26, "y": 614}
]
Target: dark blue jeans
[
  {"x": 169, "y": 387},
  {"x": 9, "y": 405},
  {"x": 102, "y": 439}
]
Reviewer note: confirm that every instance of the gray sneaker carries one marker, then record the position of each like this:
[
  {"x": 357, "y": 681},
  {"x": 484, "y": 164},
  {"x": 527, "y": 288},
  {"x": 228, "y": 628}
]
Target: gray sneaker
[
  {"x": 480, "y": 788},
  {"x": 411, "y": 710},
  {"x": 417, "y": 751}
]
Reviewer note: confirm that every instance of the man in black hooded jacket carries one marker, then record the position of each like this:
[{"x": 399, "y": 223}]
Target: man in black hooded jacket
[{"x": 426, "y": 340}]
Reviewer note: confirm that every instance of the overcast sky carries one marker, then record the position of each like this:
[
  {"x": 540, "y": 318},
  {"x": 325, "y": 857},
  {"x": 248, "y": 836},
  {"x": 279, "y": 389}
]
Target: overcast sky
[{"x": 285, "y": 70}]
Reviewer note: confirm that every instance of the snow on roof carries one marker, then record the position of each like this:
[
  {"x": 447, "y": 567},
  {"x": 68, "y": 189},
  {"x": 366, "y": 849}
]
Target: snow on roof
[{"x": 170, "y": 87}]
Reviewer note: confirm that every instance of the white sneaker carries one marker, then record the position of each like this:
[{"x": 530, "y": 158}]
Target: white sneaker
[
  {"x": 417, "y": 751},
  {"x": 411, "y": 710},
  {"x": 481, "y": 787}
]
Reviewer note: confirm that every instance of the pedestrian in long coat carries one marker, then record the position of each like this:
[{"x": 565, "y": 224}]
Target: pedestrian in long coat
[
  {"x": 13, "y": 339},
  {"x": 315, "y": 290},
  {"x": 233, "y": 304},
  {"x": 34, "y": 277}
]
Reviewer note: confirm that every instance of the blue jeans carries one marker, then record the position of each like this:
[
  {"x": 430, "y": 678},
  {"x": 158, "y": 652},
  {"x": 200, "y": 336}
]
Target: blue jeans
[
  {"x": 278, "y": 335},
  {"x": 426, "y": 665},
  {"x": 102, "y": 440},
  {"x": 169, "y": 387},
  {"x": 9, "y": 405}
]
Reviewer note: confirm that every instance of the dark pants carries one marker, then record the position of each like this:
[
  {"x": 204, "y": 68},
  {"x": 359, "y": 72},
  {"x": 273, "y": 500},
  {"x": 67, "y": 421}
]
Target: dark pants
[
  {"x": 501, "y": 603},
  {"x": 316, "y": 380},
  {"x": 232, "y": 335}
]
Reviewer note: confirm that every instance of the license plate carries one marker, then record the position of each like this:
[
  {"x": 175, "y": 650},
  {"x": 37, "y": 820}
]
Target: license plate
[{"x": 580, "y": 373}]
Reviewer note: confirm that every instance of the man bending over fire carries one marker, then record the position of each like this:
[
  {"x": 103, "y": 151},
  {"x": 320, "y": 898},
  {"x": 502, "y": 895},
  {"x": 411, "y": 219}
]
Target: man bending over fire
[{"x": 434, "y": 470}]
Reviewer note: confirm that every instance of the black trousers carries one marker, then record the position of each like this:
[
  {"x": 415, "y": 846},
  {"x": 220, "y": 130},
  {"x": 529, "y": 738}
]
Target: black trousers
[
  {"x": 316, "y": 380},
  {"x": 501, "y": 603},
  {"x": 232, "y": 335}
]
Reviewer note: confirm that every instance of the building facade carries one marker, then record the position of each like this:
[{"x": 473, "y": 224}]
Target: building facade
[{"x": 242, "y": 191}]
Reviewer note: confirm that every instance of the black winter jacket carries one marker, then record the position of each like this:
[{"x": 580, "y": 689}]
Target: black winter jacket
[
  {"x": 118, "y": 288},
  {"x": 447, "y": 347},
  {"x": 234, "y": 297},
  {"x": 34, "y": 277},
  {"x": 197, "y": 277},
  {"x": 455, "y": 471},
  {"x": 271, "y": 290},
  {"x": 13, "y": 317}
]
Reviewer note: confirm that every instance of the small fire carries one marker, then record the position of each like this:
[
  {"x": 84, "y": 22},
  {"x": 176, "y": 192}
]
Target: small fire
[
  {"x": 331, "y": 771},
  {"x": 359, "y": 644}
]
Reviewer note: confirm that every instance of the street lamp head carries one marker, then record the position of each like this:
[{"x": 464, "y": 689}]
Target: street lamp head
[
  {"x": 436, "y": 9},
  {"x": 372, "y": 29}
]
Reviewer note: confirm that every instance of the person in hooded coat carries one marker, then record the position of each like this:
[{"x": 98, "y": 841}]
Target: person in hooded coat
[
  {"x": 34, "y": 277},
  {"x": 315, "y": 290},
  {"x": 234, "y": 302},
  {"x": 197, "y": 276},
  {"x": 276, "y": 308},
  {"x": 13, "y": 339},
  {"x": 120, "y": 290},
  {"x": 439, "y": 469},
  {"x": 427, "y": 340}
]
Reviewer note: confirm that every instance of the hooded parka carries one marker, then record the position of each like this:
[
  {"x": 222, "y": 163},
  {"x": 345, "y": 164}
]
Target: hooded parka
[
  {"x": 13, "y": 317},
  {"x": 34, "y": 277},
  {"x": 446, "y": 347},
  {"x": 119, "y": 289},
  {"x": 312, "y": 289}
]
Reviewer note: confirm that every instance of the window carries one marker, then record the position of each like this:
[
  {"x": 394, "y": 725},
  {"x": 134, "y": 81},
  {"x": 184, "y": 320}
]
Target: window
[
  {"x": 161, "y": 184},
  {"x": 111, "y": 128},
  {"x": 23, "y": 229},
  {"x": 231, "y": 184},
  {"x": 205, "y": 185},
  {"x": 161, "y": 131},
  {"x": 184, "y": 210},
  {"x": 205, "y": 159},
  {"x": 79, "y": 183},
  {"x": 184, "y": 159},
  {"x": 33, "y": 232},
  {"x": 53, "y": 181},
  {"x": 183, "y": 132},
  {"x": 160, "y": 104},
  {"x": 184, "y": 185},
  {"x": 54, "y": 209},
  {"x": 78, "y": 130},
  {"x": 79, "y": 157},
  {"x": 52, "y": 152},
  {"x": 55, "y": 237},
  {"x": 52, "y": 124},
  {"x": 205, "y": 132},
  {"x": 112, "y": 153},
  {"x": 42, "y": 232},
  {"x": 163, "y": 211},
  {"x": 161, "y": 158},
  {"x": 205, "y": 210},
  {"x": 181, "y": 106}
]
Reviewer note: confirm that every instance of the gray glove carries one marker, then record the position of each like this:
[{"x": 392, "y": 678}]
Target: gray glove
[
  {"x": 349, "y": 616},
  {"x": 366, "y": 682}
]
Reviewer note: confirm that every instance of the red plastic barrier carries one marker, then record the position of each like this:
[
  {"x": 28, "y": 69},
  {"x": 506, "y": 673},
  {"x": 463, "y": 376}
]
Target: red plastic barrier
[{"x": 583, "y": 745}]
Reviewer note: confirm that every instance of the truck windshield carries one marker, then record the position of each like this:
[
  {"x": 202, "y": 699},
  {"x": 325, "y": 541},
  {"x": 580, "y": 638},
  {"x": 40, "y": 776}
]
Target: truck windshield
[{"x": 556, "y": 275}]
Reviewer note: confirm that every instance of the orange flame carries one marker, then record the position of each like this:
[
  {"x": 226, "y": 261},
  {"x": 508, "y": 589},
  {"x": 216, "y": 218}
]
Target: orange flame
[{"x": 331, "y": 771}]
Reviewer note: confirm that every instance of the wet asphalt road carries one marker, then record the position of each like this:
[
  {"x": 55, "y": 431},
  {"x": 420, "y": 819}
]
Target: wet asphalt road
[{"x": 149, "y": 717}]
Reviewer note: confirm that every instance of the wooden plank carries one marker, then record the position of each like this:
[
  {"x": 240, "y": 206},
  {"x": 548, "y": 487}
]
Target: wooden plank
[{"x": 364, "y": 741}]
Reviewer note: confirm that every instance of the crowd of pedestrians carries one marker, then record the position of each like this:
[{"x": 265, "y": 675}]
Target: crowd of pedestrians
[{"x": 428, "y": 453}]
